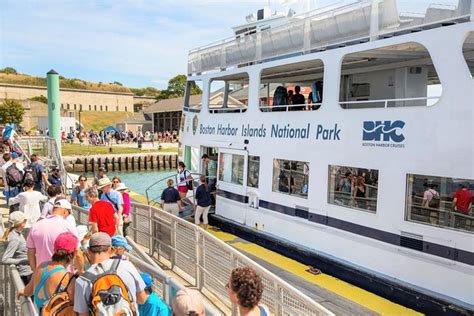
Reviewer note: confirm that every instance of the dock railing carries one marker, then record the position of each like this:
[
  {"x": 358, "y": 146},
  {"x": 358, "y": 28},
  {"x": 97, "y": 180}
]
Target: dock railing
[{"x": 205, "y": 262}]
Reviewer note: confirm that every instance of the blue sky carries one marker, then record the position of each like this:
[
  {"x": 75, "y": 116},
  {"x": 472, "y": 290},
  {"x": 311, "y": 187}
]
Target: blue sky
[{"x": 137, "y": 42}]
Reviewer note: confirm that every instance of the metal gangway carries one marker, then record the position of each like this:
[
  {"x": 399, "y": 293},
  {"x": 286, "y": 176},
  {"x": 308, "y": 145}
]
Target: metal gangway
[{"x": 183, "y": 254}]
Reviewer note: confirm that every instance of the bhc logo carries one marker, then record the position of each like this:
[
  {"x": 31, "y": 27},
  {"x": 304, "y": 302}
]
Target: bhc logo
[{"x": 374, "y": 130}]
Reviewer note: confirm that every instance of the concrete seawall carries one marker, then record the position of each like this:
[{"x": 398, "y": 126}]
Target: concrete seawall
[{"x": 129, "y": 162}]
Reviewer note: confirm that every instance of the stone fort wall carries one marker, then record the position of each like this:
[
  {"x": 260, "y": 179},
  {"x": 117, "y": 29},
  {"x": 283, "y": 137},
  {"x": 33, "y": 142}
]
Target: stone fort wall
[{"x": 74, "y": 99}]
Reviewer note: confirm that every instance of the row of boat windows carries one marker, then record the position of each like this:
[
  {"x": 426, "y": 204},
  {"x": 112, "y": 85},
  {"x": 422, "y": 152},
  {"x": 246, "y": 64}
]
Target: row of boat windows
[
  {"x": 393, "y": 76},
  {"x": 432, "y": 200}
]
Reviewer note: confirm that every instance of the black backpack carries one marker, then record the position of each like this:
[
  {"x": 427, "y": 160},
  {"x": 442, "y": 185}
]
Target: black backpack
[
  {"x": 30, "y": 174},
  {"x": 14, "y": 176}
]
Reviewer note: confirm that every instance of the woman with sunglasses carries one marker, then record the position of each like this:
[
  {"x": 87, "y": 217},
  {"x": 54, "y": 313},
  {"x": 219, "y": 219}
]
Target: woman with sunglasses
[
  {"x": 78, "y": 196},
  {"x": 115, "y": 181}
]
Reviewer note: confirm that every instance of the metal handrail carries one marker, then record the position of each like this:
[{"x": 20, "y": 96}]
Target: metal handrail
[
  {"x": 386, "y": 101},
  {"x": 11, "y": 284},
  {"x": 288, "y": 106},
  {"x": 205, "y": 262},
  {"x": 175, "y": 177}
]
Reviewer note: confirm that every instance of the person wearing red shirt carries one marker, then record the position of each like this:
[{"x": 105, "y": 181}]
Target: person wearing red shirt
[
  {"x": 462, "y": 200},
  {"x": 102, "y": 215}
]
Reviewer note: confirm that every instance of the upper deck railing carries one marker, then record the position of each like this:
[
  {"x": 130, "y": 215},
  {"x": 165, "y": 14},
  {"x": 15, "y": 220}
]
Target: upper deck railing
[{"x": 351, "y": 23}]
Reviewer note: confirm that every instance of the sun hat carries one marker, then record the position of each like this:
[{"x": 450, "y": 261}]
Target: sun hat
[
  {"x": 16, "y": 218},
  {"x": 103, "y": 182},
  {"x": 147, "y": 279},
  {"x": 120, "y": 241},
  {"x": 66, "y": 241},
  {"x": 187, "y": 301},
  {"x": 121, "y": 186},
  {"x": 100, "y": 239},
  {"x": 63, "y": 203}
]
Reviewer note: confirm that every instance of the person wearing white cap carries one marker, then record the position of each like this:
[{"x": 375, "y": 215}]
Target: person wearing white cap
[
  {"x": 16, "y": 251},
  {"x": 40, "y": 241},
  {"x": 188, "y": 302}
]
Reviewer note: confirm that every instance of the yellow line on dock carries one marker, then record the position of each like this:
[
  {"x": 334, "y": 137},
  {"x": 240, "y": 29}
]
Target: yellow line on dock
[
  {"x": 138, "y": 197},
  {"x": 353, "y": 293}
]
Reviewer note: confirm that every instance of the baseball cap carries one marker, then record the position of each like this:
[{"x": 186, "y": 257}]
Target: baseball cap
[
  {"x": 147, "y": 279},
  {"x": 186, "y": 301},
  {"x": 63, "y": 203},
  {"x": 66, "y": 241},
  {"x": 102, "y": 169},
  {"x": 15, "y": 155},
  {"x": 120, "y": 241},
  {"x": 100, "y": 239},
  {"x": 16, "y": 218}
]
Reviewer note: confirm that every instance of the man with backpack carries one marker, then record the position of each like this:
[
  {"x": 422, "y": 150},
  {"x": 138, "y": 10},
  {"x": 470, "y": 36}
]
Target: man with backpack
[
  {"x": 36, "y": 171},
  {"x": 12, "y": 172},
  {"x": 109, "y": 286},
  {"x": 431, "y": 200}
]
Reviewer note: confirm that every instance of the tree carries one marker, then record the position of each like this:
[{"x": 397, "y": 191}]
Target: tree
[
  {"x": 40, "y": 98},
  {"x": 177, "y": 88},
  {"x": 11, "y": 111},
  {"x": 9, "y": 70}
]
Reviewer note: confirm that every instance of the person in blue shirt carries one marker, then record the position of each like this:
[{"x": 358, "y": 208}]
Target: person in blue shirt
[
  {"x": 113, "y": 197},
  {"x": 154, "y": 305},
  {"x": 78, "y": 195},
  {"x": 39, "y": 172},
  {"x": 55, "y": 178}
]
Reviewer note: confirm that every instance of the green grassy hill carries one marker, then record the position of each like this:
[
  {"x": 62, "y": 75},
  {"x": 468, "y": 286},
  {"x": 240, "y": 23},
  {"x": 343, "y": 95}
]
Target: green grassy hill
[{"x": 99, "y": 120}]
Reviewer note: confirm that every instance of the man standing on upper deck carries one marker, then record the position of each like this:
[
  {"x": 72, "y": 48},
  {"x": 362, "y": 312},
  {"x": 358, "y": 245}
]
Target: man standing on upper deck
[
  {"x": 462, "y": 202},
  {"x": 297, "y": 98}
]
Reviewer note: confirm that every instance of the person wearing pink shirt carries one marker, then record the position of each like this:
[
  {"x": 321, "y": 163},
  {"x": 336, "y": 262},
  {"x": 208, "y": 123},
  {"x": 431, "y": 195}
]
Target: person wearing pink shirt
[
  {"x": 121, "y": 187},
  {"x": 40, "y": 241}
]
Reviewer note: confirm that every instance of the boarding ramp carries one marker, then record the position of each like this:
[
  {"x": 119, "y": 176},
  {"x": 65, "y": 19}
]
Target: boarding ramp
[
  {"x": 194, "y": 258},
  {"x": 344, "y": 23}
]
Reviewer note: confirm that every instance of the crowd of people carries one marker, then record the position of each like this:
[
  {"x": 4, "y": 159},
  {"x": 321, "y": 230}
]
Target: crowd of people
[
  {"x": 110, "y": 137},
  {"x": 80, "y": 270}
]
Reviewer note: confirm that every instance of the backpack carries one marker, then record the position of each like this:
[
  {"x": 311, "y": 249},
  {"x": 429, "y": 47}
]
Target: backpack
[
  {"x": 434, "y": 202},
  {"x": 109, "y": 295},
  {"x": 189, "y": 183},
  {"x": 14, "y": 176},
  {"x": 30, "y": 174},
  {"x": 60, "y": 304}
]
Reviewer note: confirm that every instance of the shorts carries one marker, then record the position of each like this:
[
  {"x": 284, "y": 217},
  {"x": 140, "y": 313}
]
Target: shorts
[{"x": 183, "y": 189}]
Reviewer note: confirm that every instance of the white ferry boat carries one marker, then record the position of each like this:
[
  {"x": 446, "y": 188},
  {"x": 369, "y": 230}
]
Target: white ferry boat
[{"x": 370, "y": 177}]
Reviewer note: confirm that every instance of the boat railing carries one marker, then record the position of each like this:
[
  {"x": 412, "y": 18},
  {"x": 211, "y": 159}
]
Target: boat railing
[
  {"x": 387, "y": 103},
  {"x": 11, "y": 283},
  {"x": 155, "y": 186},
  {"x": 288, "y": 107},
  {"x": 352, "y": 23},
  {"x": 204, "y": 262}
]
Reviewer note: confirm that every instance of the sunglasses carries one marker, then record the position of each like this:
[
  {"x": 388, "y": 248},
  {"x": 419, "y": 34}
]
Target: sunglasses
[{"x": 115, "y": 182}]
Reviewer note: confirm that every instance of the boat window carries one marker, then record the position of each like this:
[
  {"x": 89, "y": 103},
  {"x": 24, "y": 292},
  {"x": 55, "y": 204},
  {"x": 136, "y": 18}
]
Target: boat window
[
  {"x": 440, "y": 201},
  {"x": 292, "y": 87},
  {"x": 231, "y": 168},
  {"x": 468, "y": 52},
  {"x": 392, "y": 76},
  {"x": 253, "y": 171},
  {"x": 291, "y": 177},
  {"x": 193, "y": 96},
  {"x": 353, "y": 187},
  {"x": 229, "y": 94}
]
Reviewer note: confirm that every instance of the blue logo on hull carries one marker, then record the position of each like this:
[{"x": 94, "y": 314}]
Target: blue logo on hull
[{"x": 383, "y": 131}]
